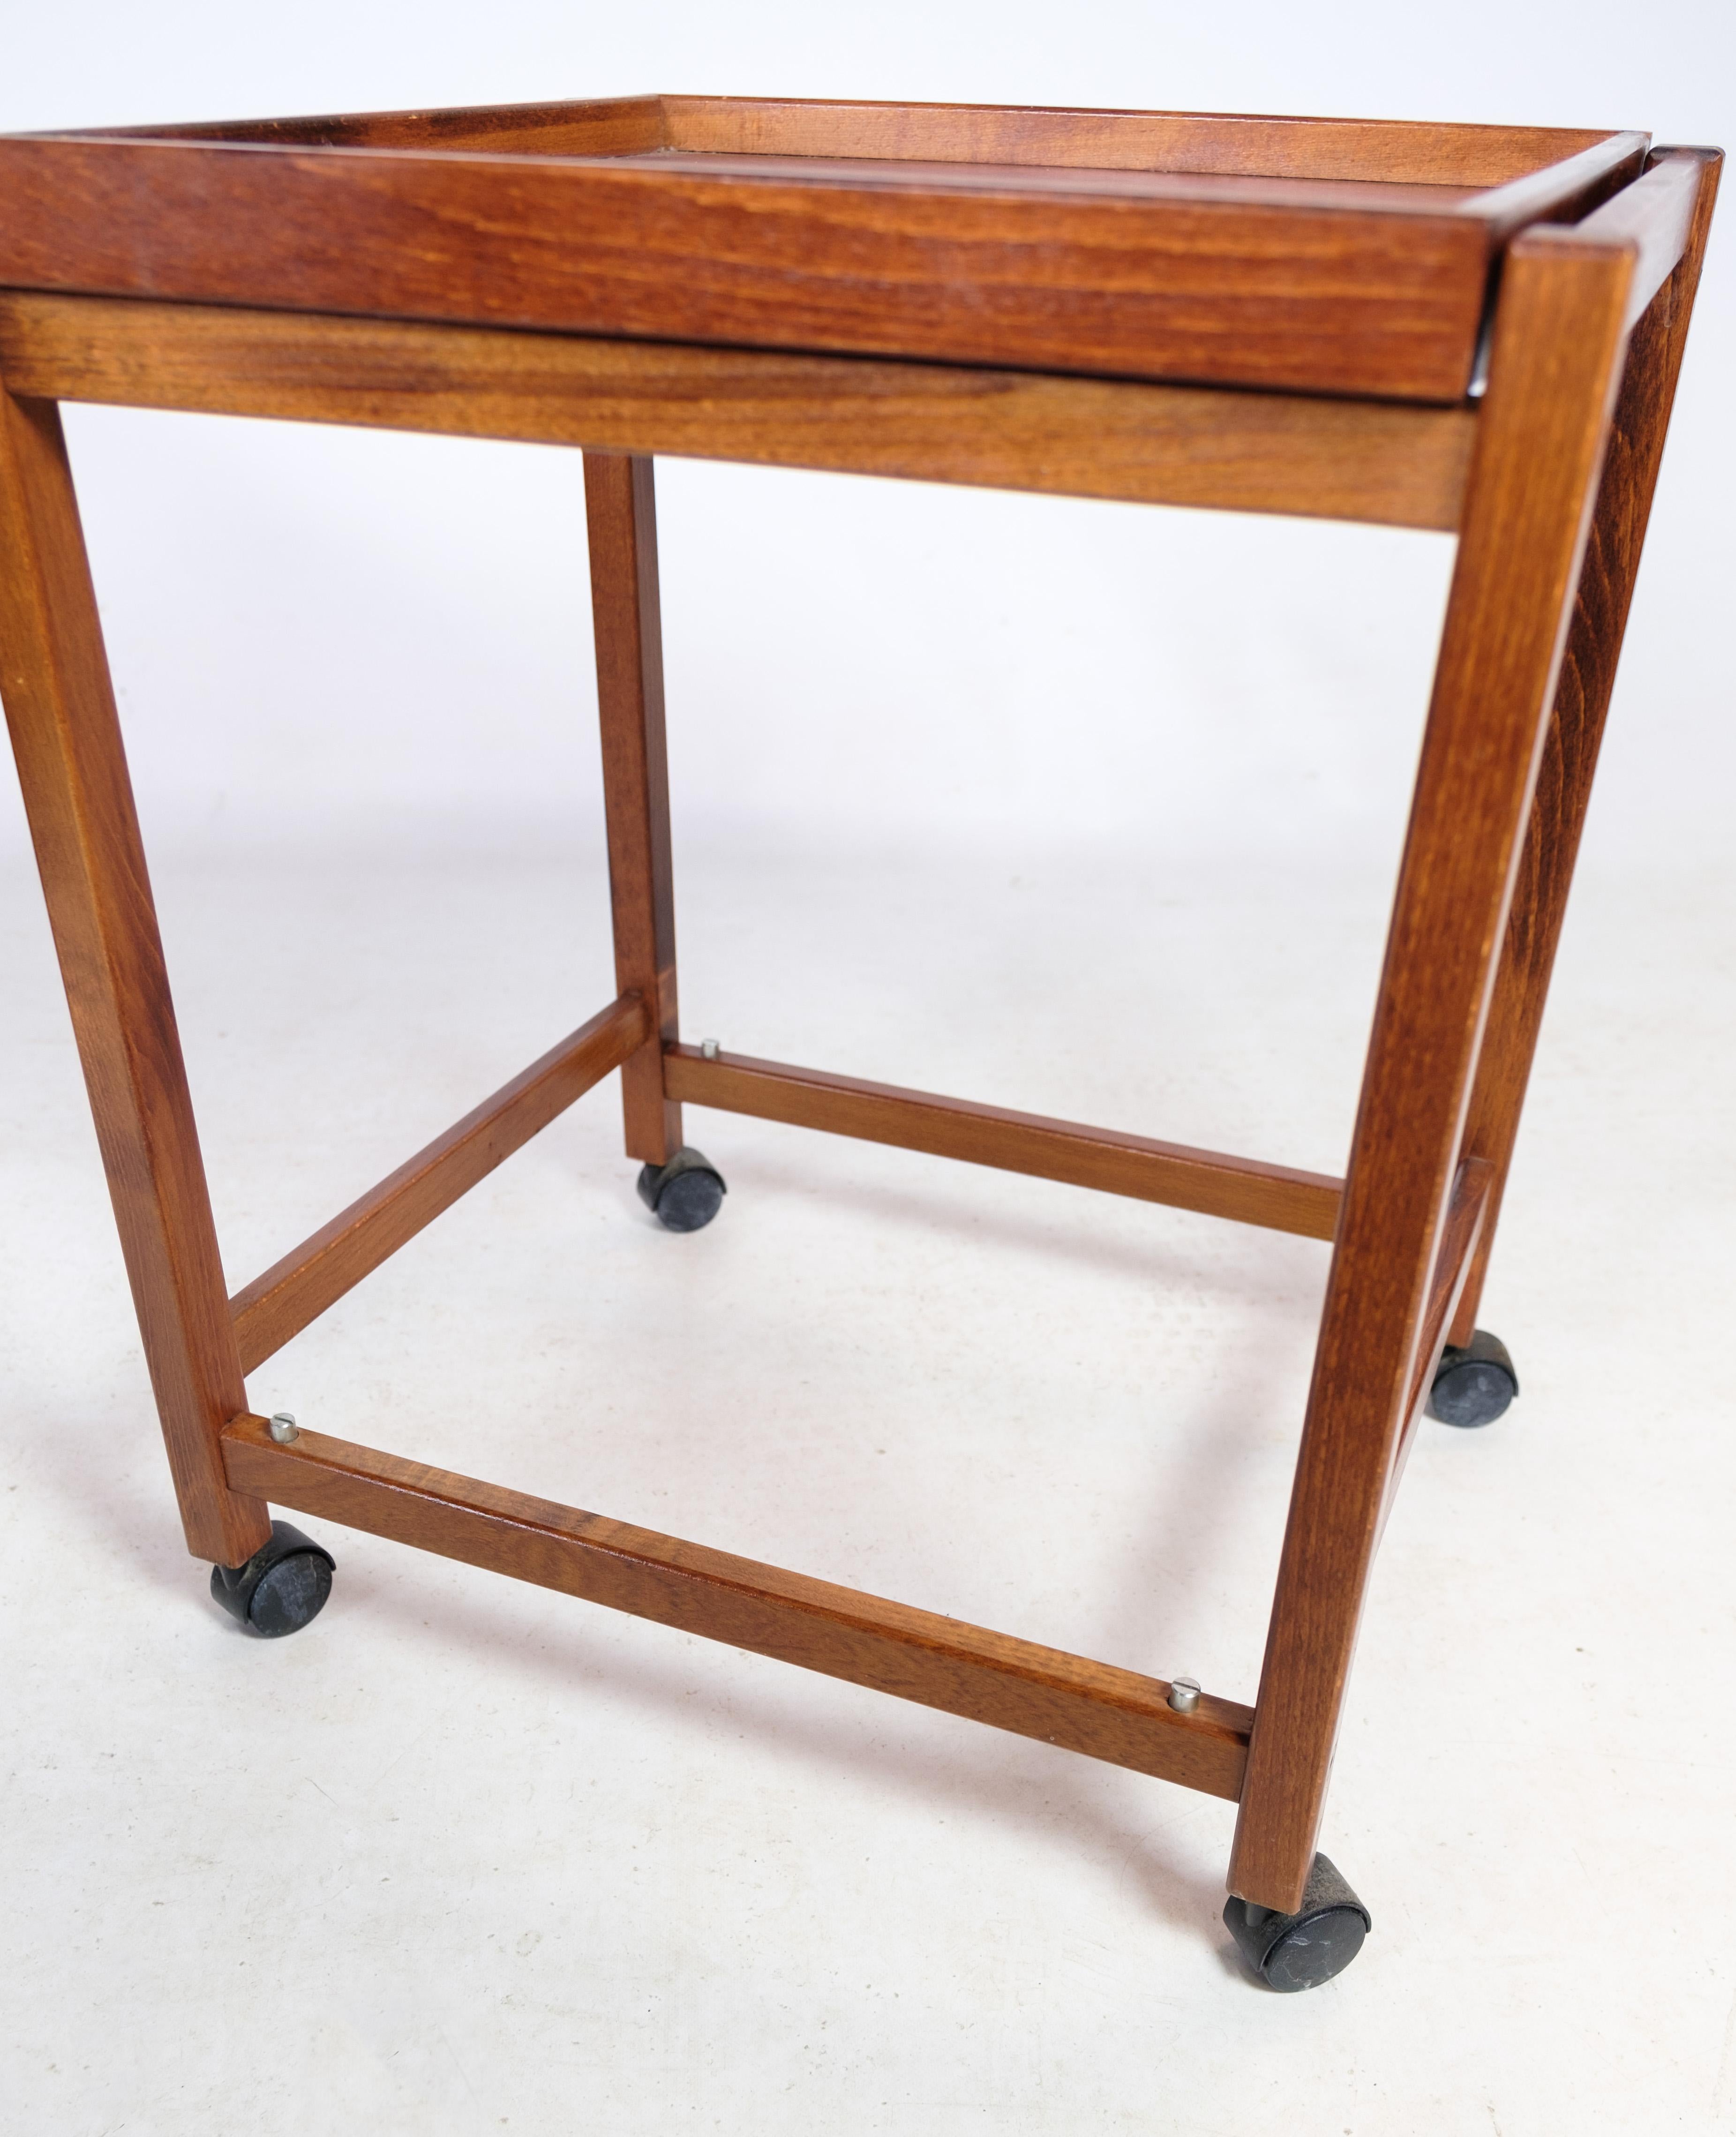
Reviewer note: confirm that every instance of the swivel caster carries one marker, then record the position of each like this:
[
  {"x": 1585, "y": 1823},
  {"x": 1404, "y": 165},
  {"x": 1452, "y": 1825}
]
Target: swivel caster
[
  {"x": 1474, "y": 1385},
  {"x": 1301, "y": 1950},
  {"x": 282, "y": 1587},
  {"x": 684, "y": 1194}
]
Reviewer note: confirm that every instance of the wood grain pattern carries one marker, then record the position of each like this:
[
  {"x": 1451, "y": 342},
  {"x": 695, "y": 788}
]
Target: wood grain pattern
[
  {"x": 1053, "y": 180},
  {"x": 316, "y": 1274},
  {"x": 1558, "y": 336},
  {"x": 1276, "y": 1196},
  {"x": 1400, "y": 151},
  {"x": 1469, "y": 1208},
  {"x": 1326, "y": 300},
  {"x": 1106, "y": 1713},
  {"x": 1226, "y": 145},
  {"x": 590, "y": 126},
  {"x": 620, "y": 512},
  {"x": 1658, "y": 216},
  {"x": 59, "y": 706},
  {"x": 1381, "y": 462},
  {"x": 1560, "y": 193},
  {"x": 1577, "y": 720}
]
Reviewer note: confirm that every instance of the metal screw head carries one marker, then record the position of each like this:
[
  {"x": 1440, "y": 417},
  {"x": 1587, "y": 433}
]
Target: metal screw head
[
  {"x": 709, "y": 1048},
  {"x": 1184, "y": 1694},
  {"x": 283, "y": 1429}
]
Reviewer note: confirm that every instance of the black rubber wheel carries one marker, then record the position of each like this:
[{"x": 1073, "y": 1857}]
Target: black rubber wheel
[
  {"x": 684, "y": 1194},
  {"x": 282, "y": 1587},
  {"x": 1475, "y": 1385},
  {"x": 1292, "y": 1952}
]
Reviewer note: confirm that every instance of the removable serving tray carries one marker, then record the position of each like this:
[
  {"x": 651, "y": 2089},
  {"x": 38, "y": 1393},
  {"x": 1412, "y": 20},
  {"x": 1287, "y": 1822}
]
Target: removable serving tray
[{"x": 1325, "y": 255}]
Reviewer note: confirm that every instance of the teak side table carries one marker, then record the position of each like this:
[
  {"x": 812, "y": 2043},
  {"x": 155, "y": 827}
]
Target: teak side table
[{"x": 1466, "y": 328}]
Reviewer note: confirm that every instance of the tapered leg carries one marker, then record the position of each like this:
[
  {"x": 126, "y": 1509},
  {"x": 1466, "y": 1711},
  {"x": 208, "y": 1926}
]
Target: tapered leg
[
  {"x": 1575, "y": 729},
  {"x": 1559, "y": 333},
  {"x": 621, "y": 509},
  {"x": 61, "y": 709}
]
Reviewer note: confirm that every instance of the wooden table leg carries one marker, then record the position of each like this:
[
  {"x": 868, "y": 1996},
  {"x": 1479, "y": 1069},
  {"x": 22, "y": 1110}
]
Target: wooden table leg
[
  {"x": 1575, "y": 729},
  {"x": 1559, "y": 335},
  {"x": 72, "y": 766},
  {"x": 620, "y": 508}
]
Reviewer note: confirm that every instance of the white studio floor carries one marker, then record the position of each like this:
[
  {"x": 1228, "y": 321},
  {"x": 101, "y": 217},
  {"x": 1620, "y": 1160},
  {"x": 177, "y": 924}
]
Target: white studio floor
[{"x": 466, "y": 1856}]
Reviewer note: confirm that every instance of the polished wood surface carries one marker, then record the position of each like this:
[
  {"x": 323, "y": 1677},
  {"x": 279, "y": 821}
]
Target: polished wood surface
[
  {"x": 1558, "y": 339},
  {"x": 316, "y": 1274},
  {"x": 1469, "y": 1211},
  {"x": 1576, "y": 722},
  {"x": 1462, "y": 1227},
  {"x": 1277, "y": 1196},
  {"x": 59, "y": 706},
  {"x": 1399, "y": 152},
  {"x": 1383, "y": 462},
  {"x": 1190, "y": 275},
  {"x": 1662, "y": 217},
  {"x": 1057, "y": 180},
  {"x": 620, "y": 512},
  {"x": 1107, "y": 1713}
]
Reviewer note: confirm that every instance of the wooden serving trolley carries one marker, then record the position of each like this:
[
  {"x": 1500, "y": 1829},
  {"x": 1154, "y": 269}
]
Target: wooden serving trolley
[{"x": 1466, "y": 328}]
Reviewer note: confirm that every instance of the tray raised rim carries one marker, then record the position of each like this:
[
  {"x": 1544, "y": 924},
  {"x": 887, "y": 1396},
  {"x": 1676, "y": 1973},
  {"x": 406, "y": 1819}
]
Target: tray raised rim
[
  {"x": 1251, "y": 145},
  {"x": 430, "y": 216}
]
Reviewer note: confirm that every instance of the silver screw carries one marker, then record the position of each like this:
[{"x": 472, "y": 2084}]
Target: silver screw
[
  {"x": 1184, "y": 1694},
  {"x": 283, "y": 1429},
  {"x": 708, "y": 1050}
]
